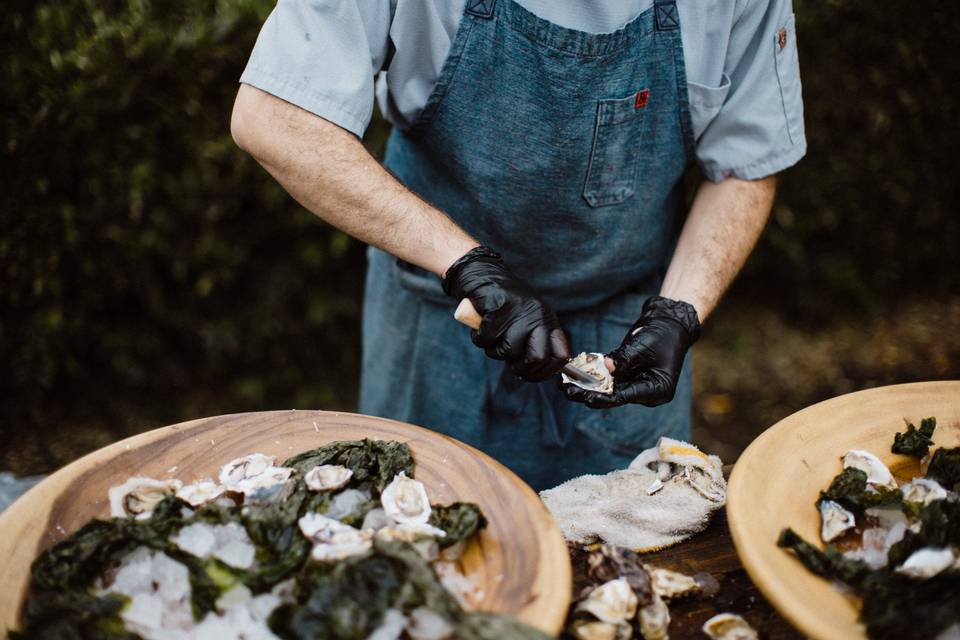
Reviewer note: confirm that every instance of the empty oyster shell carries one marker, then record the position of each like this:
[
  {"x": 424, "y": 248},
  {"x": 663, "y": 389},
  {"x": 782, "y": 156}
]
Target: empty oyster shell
[
  {"x": 927, "y": 562},
  {"x": 138, "y": 496},
  {"x": 655, "y": 619},
  {"x": 834, "y": 520},
  {"x": 332, "y": 539},
  {"x": 595, "y": 630},
  {"x": 593, "y": 365},
  {"x": 729, "y": 626},
  {"x": 670, "y": 584},
  {"x": 327, "y": 477},
  {"x": 613, "y": 601},
  {"x": 877, "y": 472},
  {"x": 200, "y": 492},
  {"x": 923, "y": 490},
  {"x": 405, "y": 501}
]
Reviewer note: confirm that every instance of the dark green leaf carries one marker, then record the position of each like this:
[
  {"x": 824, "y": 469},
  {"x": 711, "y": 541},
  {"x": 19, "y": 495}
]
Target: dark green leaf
[
  {"x": 459, "y": 520},
  {"x": 945, "y": 467},
  {"x": 915, "y": 442}
]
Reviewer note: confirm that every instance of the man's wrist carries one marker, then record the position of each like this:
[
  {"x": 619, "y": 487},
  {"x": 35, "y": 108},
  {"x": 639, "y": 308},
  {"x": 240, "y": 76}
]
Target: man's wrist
[{"x": 452, "y": 276}]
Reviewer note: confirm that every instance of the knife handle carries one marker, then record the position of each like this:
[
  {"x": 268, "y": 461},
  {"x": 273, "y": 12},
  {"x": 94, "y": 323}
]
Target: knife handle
[{"x": 466, "y": 314}]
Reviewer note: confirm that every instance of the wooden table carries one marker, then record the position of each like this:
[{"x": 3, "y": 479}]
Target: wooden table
[{"x": 711, "y": 551}]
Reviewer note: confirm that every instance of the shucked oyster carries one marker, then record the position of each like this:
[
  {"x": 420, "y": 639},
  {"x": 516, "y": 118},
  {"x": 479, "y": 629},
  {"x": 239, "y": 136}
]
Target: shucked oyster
[
  {"x": 255, "y": 477},
  {"x": 405, "y": 501},
  {"x": 200, "y": 492},
  {"x": 834, "y": 520},
  {"x": 923, "y": 491},
  {"x": 137, "y": 497},
  {"x": 593, "y": 365},
  {"x": 332, "y": 539},
  {"x": 327, "y": 477},
  {"x": 877, "y": 472}
]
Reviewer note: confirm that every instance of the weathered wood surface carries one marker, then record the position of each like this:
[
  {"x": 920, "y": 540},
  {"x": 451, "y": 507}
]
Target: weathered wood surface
[{"x": 519, "y": 561}]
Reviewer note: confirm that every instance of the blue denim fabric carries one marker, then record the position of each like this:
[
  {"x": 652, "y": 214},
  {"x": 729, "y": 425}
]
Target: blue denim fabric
[{"x": 534, "y": 140}]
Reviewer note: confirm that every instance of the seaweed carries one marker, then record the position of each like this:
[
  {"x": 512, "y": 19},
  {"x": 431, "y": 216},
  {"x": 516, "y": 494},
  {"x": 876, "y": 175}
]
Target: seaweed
[
  {"x": 73, "y": 615},
  {"x": 849, "y": 488},
  {"x": 459, "y": 520},
  {"x": 896, "y": 606},
  {"x": 373, "y": 461},
  {"x": 945, "y": 468},
  {"x": 915, "y": 442},
  {"x": 829, "y": 563}
]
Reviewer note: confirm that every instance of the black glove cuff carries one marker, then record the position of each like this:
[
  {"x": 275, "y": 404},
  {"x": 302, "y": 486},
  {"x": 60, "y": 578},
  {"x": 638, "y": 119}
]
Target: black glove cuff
[
  {"x": 451, "y": 279},
  {"x": 682, "y": 312}
]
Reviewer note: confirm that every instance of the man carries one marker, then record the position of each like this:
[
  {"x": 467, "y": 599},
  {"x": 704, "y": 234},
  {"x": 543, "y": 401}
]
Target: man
[{"x": 535, "y": 168}]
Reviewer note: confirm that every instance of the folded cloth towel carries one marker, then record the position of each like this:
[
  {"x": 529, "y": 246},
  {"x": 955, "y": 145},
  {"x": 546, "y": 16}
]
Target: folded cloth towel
[{"x": 667, "y": 494}]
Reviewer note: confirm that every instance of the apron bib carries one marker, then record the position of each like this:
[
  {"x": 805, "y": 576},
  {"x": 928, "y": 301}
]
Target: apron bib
[{"x": 562, "y": 150}]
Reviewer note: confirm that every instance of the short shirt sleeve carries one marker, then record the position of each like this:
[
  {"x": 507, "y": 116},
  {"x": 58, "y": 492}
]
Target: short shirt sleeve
[
  {"x": 322, "y": 55},
  {"x": 758, "y": 131}
]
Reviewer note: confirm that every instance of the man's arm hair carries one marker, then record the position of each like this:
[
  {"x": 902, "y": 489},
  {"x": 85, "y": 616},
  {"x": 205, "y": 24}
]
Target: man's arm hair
[
  {"x": 723, "y": 226},
  {"x": 329, "y": 171}
]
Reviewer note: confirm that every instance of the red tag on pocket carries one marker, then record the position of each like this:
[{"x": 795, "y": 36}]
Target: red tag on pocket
[{"x": 643, "y": 96}]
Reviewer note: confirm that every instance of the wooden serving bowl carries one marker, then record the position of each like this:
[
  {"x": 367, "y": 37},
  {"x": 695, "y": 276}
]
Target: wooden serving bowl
[
  {"x": 777, "y": 480},
  {"x": 520, "y": 561}
]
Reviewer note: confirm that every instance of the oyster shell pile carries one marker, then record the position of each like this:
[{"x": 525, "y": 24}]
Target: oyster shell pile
[{"x": 593, "y": 365}]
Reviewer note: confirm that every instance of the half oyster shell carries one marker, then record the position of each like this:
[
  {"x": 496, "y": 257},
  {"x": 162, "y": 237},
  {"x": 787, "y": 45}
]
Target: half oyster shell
[
  {"x": 138, "y": 496},
  {"x": 729, "y": 626},
  {"x": 405, "y": 501},
  {"x": 593, "y": 365},
  {"x": 327, "y": 477},
  {"x": 877, "y": 473}
]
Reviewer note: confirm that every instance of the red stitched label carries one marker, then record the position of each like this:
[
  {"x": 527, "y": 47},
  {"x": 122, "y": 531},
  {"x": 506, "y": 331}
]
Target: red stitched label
[{"x": 643, "y": 97}]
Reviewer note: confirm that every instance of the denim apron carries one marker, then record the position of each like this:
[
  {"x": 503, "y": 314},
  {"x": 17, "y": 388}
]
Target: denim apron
[{"x": 564, "y": 151}]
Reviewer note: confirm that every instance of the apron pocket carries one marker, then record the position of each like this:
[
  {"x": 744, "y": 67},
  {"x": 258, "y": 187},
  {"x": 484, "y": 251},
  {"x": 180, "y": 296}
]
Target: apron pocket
[{"x": 612, "y": 170}]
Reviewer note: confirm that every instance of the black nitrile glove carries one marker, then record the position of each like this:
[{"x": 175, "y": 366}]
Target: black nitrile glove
[
  {"x": 517, "y": 326},
  {"x": 647, "y": 363}
]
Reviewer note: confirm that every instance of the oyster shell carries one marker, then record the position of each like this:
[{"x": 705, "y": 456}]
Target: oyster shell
[
  {"x": 332, "y": 539},
  {"x": 670, "y": 584},
  {"x": 923, "y": 491},
  {"x": 655, "y": 619},
  {"x": 613, "y": 601},
  {"x": 138, "y": 496},
  {"x": 687, "y": 455},
  {"x": 877, "y": 472},
  {"x": 255, "y": 477},
  {"x": 596, "y": 630},
  {"x": 405, "y": 501},
  {"x": 425, "y": 624},
  {"x": 200, "y": 492},
  {"x": 327, "y": 477},
  {"x": 729, "y": 626},
  {"x": 927, "y": 562},
  {"x": 423, "y": 538},
  {"x": 593, "y": 365},
  {"x": 834, "y": 520}
]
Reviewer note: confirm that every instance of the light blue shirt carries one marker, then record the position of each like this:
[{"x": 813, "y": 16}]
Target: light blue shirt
[{"x": 332, "y": 57}]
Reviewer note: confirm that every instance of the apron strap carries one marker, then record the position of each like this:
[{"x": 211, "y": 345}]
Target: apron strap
[
  {"x": 481, "y": 8},
  {"x": 667, "y": 17}
]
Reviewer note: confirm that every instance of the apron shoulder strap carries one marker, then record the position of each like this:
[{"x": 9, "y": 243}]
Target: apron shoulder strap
[
  {"x": 481, "y": 8},
  {"x": 667, "y": 17}
]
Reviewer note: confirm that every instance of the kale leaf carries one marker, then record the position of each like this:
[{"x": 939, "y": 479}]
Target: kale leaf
[
  {"x": 945, "y": 467},
  {"x": 376, "y": 461},
  {"x": 849, "y": 488},
  {"x": 915, "y": 442},
  {"x": 459, "y": 520},
  {"x": 828, "y": 563}
]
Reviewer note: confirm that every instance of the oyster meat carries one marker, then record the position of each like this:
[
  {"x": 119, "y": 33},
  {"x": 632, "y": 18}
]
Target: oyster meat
[
  {"x": 729, "y": 626},
  {"x": 877, "y": 473},
  {"x": 834, "y": 520},
  {"x": 405, "y": 501},
  {"x": 613, "y": 601},
  {"x": 138, "y": 496},
  {"x": 332, "y": 539},
  {"x": 593, "y": 365},
  {"x": 327, "y": 477}
]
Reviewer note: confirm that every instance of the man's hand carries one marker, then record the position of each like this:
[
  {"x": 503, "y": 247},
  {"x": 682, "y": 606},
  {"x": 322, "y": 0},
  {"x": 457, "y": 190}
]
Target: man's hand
[
  {"x": 517, "y": 326},
  {"x": 647, "y": 363}
]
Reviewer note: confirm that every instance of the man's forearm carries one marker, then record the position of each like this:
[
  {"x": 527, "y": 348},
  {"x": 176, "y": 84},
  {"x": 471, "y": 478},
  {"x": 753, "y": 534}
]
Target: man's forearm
[
  {"x": 723, "y": 226},
  {"x": 328, "y": 171}
]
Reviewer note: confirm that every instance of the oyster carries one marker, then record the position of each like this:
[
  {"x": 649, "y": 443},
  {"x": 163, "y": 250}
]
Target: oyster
[
  {"x": 593, "y": 365},
  {"x": 595, "y": 630},
  {"x": 670, "y": 584},
  {"x": 405, "y": 501},
  {"x": 255, "y": 477},
  {"x": 332, "y": 539},
  {"x": 655, "y": 619},
  {"x": 685, "y": 454},
  {"x": 877, "y": 472},
  {"x": 423, "y": 538},
  {"x": 923, "y": 491},
  {"x": 138, "y": 496},
  {"x": 729, "y": 626},
  {"x": 927, "y": 562},
  {"x": 835, "y": 520},
  {"x": 327, "y": 477},
  {"x": 200, "y": 492},
  {"x": 613, "y": 601}
]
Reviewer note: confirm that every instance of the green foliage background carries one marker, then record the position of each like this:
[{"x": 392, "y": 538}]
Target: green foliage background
[{"x": 150, "y": 271}]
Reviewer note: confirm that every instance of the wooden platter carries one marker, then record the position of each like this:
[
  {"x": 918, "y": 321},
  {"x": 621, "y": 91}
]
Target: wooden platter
[
  {"x": 519, "y": 561},
  {"x": 777, "y": 480}
]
